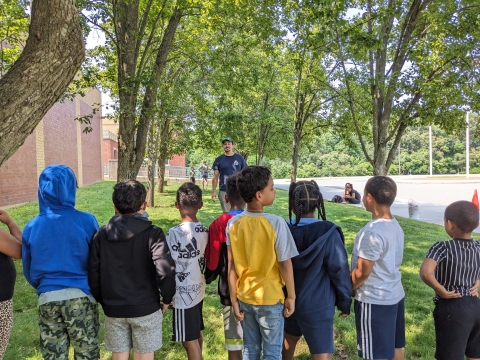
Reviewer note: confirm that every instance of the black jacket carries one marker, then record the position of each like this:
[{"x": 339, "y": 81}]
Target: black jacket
[{"x": 129, "y": 262}]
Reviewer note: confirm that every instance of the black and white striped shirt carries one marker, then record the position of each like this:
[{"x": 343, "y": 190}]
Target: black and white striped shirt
[{"x": 458, "y": 264}]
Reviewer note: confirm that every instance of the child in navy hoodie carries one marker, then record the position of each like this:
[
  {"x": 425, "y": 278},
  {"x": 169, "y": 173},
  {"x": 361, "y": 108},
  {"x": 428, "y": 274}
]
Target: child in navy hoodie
[
  {"x": 321, "y": 273},
  {"x": 55, "y": 258}
]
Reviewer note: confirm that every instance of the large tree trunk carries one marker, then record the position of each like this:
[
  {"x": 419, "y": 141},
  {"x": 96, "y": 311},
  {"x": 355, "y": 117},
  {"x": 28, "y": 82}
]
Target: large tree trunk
[
  {"x": 126, "y": 20},
  {"x": 131, "y": 155},
  {"x": 52, "y": 55}
]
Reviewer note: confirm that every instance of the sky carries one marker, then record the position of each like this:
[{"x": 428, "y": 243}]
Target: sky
[{"x": 96, "y": 37}]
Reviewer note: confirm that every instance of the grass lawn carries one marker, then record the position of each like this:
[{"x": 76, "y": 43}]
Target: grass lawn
[{"x": 97, "y": 200}]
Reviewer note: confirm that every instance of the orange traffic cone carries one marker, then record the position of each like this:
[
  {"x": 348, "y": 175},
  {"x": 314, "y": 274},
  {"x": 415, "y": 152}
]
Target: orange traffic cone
[{"x": 475, "y": 199}]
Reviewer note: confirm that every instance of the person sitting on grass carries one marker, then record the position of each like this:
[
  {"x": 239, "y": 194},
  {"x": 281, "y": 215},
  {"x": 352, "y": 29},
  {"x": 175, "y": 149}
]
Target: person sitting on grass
[
  {"x": 129, "y": 263},
  {"x": 452, "y": 269},
  {"x": 217, "y": 265},
  {"x": 260, "y": 247},
  {"x": 351, "y": 196},
  {"x": 320, "y": 272},
  {"x": 187, "y": 243}
]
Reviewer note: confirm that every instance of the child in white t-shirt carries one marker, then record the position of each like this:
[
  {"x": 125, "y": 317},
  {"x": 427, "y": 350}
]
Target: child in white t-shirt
[
  {"x": 187, "y": 243},
  {"x": 376, "y": 258}
]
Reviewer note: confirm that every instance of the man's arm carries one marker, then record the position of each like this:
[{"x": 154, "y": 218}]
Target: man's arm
[
  {"x": 361, "y": 273},
  {"x": 216, "y": 173},
  {"x": 427, "y": 273},
  {"x": 286, "y": 271},
  {"x": 232, "y": 285}
]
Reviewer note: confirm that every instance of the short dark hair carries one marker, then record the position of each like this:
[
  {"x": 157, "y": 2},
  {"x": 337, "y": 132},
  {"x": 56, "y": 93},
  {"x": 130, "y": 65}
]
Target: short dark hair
[
  {"x": 189, "y": 195},
  {"x": 232, "y": 192},
  {"x": 382, "y": 188},
  {"x": 464, "y": 214},
  {"x": 252, "y": 179},
  {"x": 128, "y": 196},
  {"x": 303, "y": 198}
]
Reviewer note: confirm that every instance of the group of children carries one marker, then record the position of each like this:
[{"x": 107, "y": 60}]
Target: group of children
[{"x": 278, "y": 280}]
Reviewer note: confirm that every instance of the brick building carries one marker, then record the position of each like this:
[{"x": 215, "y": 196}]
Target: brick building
[
  {"x": 58, "y": 139},
  {"x": 110, "y": 144}
]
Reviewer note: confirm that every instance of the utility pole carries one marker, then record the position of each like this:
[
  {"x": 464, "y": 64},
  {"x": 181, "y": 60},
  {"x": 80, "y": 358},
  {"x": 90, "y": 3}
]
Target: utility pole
[
  {"x": 430, "y": 148},
  {"x": 467, "y": 147}
]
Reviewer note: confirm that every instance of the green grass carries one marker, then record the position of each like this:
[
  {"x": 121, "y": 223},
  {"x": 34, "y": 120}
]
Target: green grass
[{"x": 97, "y": 200}]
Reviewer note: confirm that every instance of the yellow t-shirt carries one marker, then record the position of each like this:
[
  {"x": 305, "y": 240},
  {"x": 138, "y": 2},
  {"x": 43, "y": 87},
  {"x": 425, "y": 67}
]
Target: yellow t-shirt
[{"x": 259, "y": 242}]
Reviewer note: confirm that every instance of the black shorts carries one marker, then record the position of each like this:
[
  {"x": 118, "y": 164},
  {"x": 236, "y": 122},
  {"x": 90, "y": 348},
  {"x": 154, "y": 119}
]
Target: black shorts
[
  {"x": 205, "y": 176},
  {"x": 192, "y": 179},
  {"x": 457, "y": 328},
  {"x": 187, "y": 323}
]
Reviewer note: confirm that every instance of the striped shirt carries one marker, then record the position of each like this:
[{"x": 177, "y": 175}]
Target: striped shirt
[{"x": 458, "y": 264}]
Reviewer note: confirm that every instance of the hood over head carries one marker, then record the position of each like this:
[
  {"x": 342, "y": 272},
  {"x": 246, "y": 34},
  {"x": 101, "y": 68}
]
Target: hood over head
[{"x": 57, "y": 188}]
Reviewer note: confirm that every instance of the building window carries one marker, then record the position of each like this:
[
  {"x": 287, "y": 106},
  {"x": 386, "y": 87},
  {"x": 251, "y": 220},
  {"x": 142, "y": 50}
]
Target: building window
[{"x": 114, "y": 154}]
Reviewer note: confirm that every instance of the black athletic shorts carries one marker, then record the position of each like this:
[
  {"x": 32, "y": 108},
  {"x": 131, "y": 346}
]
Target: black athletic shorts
[
  {"x": 187, "y": 323},
  {"x": 457, "y": 328}
]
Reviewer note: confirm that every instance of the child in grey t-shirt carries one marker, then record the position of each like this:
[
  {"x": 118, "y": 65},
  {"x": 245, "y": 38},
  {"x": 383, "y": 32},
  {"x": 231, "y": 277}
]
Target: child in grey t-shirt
[{"x": 376, "y": 280}]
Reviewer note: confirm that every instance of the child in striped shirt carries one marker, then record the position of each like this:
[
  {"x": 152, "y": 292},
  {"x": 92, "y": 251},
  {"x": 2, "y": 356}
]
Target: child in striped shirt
[{"x": 452, "y": 269}]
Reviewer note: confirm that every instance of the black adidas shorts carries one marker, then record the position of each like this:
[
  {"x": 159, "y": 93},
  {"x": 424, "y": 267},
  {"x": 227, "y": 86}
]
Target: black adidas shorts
[{"x": 187, "y": 323}]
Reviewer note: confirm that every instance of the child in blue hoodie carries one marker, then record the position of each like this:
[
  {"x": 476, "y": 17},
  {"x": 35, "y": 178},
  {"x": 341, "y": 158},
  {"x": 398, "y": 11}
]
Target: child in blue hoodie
[
  {"x": 55, "y": 262},
  {"x": 321, "y": 274}
]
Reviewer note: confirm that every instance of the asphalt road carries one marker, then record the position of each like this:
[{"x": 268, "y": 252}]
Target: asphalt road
[{"x": 432, "y": 194}]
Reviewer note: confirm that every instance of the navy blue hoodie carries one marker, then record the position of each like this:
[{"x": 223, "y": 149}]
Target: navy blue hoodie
[
  {"x": 321, "y": 273},
  {"x": 56, "y": 243}
]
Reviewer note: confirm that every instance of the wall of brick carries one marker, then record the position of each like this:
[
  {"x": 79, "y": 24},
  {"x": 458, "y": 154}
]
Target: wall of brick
[
  {"x": 60, "y": 133},
  {"x": 108, "y": 150},
  {"x": 54, "y": 141},
  {"x": 177, "y": 160},
  {"x": 91, "y": 147},
  {"x": 18, "y": 175}
]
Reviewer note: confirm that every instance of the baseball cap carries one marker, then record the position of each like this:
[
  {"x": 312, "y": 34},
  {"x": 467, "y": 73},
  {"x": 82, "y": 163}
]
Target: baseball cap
[{"x": 227, "y": 139}]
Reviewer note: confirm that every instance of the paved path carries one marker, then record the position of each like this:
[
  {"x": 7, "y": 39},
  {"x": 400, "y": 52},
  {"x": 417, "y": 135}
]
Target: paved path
[{"x": 431, "y": 194}]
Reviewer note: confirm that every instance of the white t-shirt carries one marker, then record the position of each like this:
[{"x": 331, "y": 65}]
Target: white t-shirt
[
  {"x": 187, "y": 243},
  {"x": 381, "y": 240}
]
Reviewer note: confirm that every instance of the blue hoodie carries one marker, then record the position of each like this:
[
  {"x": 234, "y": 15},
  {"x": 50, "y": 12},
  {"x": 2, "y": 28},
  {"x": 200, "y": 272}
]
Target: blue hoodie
[
  {"x": 321, "y": 273},
  {"x": 56, "y": 243}
]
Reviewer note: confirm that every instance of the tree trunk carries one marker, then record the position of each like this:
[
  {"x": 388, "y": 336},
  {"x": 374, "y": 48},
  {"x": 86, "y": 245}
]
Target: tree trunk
[
  {"x": 52, "y": 55},
  {"x": 125, "y": 22},
  {"x": 161, "y": 174},
  {"x": 152, "y": 160},
  {"x": 296, "y": 149},
  {"x": 133, "y": 153}
]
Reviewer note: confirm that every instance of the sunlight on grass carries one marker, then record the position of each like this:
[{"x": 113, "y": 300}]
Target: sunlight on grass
[{"x": 97, "y": 200}]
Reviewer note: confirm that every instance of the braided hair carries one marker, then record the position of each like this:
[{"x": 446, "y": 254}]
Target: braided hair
[{"x": 304, "y": 197}]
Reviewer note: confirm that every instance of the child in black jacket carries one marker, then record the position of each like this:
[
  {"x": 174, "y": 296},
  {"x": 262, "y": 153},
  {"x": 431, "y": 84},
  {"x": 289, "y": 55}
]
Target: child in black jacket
[{"x": 129, "y": 262}]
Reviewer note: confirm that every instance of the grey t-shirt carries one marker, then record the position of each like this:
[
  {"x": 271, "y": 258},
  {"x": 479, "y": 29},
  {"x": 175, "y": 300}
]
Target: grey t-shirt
[{"x": 382, "y": 241}]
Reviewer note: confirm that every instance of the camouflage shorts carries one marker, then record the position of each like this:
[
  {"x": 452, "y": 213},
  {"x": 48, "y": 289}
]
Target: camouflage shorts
[{"x": 68, "y": 322}]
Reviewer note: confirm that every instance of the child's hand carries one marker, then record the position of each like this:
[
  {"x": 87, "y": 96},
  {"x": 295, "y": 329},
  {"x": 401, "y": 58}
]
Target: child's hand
[
  {"x": 4, "y": 217},
  {"x": 474, "y": 288},
  {"x": 239, "y": 315},
  {"x": 288, "y": 307},
  {"x": 165, "y": 307},
  {"x": 449, "y": 294}
]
